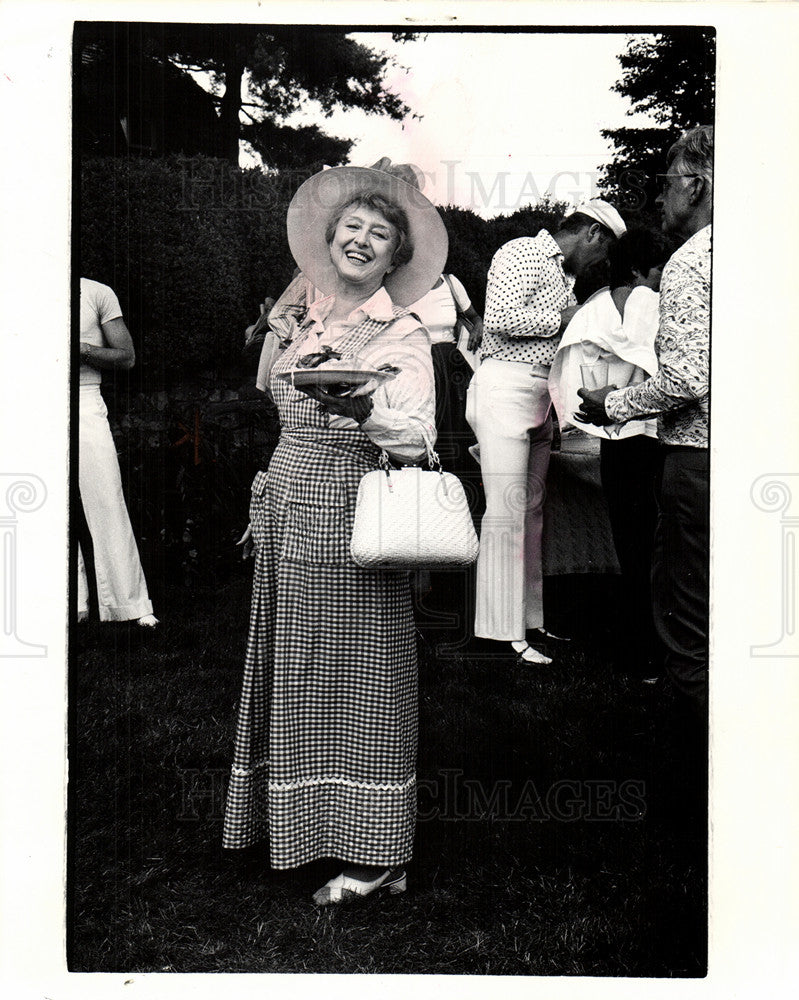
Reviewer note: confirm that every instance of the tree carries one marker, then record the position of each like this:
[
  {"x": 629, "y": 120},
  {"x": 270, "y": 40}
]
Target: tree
[
  {"x": 670, "y": 76},
  {"x": 141, "y": 75}
]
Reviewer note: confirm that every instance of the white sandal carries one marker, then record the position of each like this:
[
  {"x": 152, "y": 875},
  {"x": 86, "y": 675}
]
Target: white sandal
[
  {"x": 528, "y": 654},
  {"x": 343, "y": 886}
]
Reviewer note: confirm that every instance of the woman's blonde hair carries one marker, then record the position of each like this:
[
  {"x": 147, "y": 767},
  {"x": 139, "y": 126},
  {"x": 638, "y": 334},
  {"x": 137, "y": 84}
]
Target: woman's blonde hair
[{"x": 391, "y": 213}]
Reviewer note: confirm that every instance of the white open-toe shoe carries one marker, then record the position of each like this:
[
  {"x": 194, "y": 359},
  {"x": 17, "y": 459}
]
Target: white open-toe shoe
[
  {"x": 528, "y": 654},
  {"x": 343, "y": 886}
]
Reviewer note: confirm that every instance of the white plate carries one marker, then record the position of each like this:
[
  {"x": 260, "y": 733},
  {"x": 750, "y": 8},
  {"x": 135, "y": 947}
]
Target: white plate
[{"x": 339, "y": 376}]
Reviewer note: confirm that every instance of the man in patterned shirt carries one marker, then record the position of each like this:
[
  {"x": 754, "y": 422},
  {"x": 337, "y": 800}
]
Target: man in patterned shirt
[
  {"x": 678, "y": 395},
  {"x": 528, "y": 306}
]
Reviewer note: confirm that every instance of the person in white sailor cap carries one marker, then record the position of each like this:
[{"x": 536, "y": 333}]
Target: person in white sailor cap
[
  {"x": 600, "y": 211},
  {"x": 529, "y": 302}
]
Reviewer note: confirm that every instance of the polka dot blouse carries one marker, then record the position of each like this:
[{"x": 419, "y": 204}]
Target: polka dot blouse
[{"x": 527, "y": 289}]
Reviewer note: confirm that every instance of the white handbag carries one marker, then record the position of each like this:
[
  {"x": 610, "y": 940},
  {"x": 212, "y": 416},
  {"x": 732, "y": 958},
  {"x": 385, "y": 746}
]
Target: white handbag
[{"x": 412, "y": 518}]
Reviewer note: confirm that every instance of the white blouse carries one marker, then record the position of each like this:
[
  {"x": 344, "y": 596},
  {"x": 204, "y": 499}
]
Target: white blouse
[{"x": 598, "y": 333}]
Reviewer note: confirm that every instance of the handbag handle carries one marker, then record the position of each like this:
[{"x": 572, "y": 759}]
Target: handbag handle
[
  {"x": 459, "y": 313},
  {"x": 433, "y": 461}
]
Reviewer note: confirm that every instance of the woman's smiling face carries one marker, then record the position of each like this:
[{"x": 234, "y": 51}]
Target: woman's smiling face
[{"x": 363, "y": 246}]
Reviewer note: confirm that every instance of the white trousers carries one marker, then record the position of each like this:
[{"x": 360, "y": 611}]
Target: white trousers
[
  {"x": 509, "y": 411},
  {"x": 121, "y": 587}
]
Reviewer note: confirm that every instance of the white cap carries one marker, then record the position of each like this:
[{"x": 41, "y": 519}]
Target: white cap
[{"x": 605, "y": 214}]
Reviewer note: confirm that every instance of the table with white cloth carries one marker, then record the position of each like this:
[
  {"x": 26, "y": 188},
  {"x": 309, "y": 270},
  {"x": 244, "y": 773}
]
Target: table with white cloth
[{"x": 577, "y": 536}]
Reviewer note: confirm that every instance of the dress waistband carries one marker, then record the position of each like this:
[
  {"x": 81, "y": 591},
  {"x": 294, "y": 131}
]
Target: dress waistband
[
  {"x": 338, "y": 438},
  {"x": 319, "y": 433}
]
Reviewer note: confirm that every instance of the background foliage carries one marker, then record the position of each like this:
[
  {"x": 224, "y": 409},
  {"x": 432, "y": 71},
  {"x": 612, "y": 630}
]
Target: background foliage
[
  {"x": 137, "y": 90},
  {"x": 670, "y": 76},
  {"x": 190, "y": 245}
]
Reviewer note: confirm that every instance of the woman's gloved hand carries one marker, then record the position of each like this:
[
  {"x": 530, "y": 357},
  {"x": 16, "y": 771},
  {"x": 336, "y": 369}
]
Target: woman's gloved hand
[{"x": 357, "y": 408}]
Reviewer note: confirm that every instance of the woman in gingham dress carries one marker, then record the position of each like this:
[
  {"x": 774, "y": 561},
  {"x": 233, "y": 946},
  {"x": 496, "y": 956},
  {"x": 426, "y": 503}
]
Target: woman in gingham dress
[{"x": 324, "y": 762}]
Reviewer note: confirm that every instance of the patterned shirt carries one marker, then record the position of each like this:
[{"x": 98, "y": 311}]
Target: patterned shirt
[
  {"x": 527, "y": 289},
  {"x": 679, "y": 393}
]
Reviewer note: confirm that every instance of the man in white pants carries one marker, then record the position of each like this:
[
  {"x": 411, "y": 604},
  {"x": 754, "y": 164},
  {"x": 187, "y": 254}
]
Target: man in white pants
[
  {"x": 530, "y": 288},
  {"x": 105, "y": 342}
]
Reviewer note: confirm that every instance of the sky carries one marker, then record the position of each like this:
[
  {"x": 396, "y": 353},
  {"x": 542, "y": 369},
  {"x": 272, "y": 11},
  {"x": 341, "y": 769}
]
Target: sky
[{"x": 507, "y": 118}]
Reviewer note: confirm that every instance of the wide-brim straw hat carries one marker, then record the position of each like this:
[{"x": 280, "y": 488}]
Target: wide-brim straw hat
[{"x": 323, "y": 196}]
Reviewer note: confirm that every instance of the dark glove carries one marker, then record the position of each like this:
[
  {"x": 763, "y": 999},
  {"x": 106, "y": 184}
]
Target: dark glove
[{"x": 357, "y": 408}]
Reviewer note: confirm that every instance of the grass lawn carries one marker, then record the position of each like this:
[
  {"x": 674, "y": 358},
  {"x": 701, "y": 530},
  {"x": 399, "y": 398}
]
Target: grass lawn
[{"x": 546, "y": 843}]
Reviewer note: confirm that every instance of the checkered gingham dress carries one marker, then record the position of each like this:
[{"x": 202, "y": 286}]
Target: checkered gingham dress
[{"x": 324, "y": 762}]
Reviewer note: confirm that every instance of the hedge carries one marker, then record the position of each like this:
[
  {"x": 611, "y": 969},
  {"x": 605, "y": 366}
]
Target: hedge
[{"x": 190, "y": 245}]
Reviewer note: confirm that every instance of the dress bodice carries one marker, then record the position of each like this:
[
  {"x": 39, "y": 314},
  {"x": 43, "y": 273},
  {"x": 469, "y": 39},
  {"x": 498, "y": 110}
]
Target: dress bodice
[{"x": 296, "y": 409}]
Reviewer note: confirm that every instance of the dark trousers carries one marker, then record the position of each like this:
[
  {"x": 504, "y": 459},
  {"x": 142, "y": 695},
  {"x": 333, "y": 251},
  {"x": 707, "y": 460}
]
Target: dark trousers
[
  {"x": 680, "y": 571},
  {"x": 454, "y": 436},
  {"x": 628, "y": 467}
]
